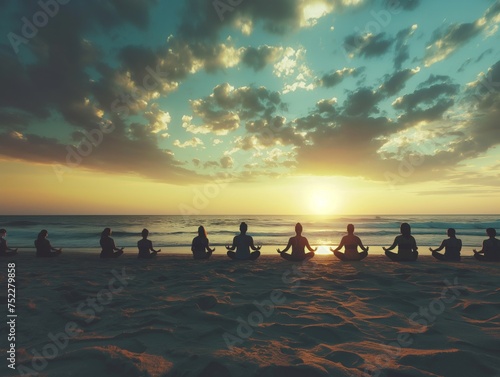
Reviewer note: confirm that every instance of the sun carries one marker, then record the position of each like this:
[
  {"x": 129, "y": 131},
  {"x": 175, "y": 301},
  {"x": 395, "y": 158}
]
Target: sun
[{"x": 323, "y": 202}]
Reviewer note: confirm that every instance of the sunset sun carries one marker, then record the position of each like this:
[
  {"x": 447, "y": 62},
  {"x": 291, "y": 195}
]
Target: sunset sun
[{"x": 323, "y": 202}]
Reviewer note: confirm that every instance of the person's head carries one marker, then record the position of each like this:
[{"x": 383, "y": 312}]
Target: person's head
[
  {"x": 451, "y": 232},
  {"x": 405, "y": 229},
  {"x": 202, "y": 232},
  {"x": 145, "y": 233},
  {"x": 43, "y": 233},
  {"x": 350, "y": 229},
  {"x": 491, "y": 232},
  {"x": 106, "y": 232},
  {"x": 298, "y": 228},
  {"x": 3, "y": 232},
  {"x": 243, "y": 227}
]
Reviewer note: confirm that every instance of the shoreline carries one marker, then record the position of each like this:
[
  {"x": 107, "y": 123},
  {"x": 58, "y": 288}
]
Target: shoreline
[{"x": 267, "y": 250}]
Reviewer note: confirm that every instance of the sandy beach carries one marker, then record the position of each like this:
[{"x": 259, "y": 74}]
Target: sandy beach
[{"x": 81, "y": 316}]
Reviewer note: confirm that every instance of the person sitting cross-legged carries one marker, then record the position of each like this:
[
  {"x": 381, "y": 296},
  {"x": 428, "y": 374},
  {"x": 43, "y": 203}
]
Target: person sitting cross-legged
[
  {"x": 298, "y": 245},
  {"x": 351, "y": 243}
]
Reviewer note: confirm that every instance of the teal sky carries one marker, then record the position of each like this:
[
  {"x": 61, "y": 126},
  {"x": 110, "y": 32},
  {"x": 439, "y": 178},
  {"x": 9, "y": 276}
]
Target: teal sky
[{"x": 260, "y": 90}]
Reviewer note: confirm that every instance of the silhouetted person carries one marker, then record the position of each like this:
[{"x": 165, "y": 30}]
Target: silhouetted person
[
  {"x": 145, "y": 246},
  {"x": 298, "y": 245},
  {"x": 242, "y": 243},
  {"x": 451, "y": 246},
  {"x": 491, "y": 248},
  {"x": 407, "y": 246},
  {"x": 351, "y": 243},
  {"x": 43, "y": 247},
  {"x": 200, "y": 246},
  {"x": 4, "y": 250},
  {"x": 109, "y": 250}
]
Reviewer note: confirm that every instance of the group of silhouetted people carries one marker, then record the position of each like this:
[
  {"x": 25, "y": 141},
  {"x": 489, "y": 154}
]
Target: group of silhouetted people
[{"x": 243, "y": 247}]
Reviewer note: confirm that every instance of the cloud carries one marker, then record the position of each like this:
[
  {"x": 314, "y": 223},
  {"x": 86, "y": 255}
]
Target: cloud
[
  {"x": 446, "y": 41},
  {"x": 367, "y": 45},
  {"x": 115, "y": 153},
  {"x": 362, "y": 102},
  {"x": 427, "y": 103},
  {"x": 402, "y": 47},
  {"x": 205, "y": 19},
  {"x": 193, "y": 143},
  {"x": 223, "y": 110},
  {"x": 258, "y": 58},
  {"x": 226, "y": 162},
  {"x": 334, "y": 78},
  {"x": 407, "y": 5},
  {"x": 394, "y": 83}
]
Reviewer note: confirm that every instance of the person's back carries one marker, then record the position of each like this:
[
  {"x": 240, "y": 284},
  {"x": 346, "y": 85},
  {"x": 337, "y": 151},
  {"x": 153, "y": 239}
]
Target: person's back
[
  {"x": 453, "y": 246},
  {"x": 406, "y": 245},
  {"x": 242, "y": 243},
  {"x": 144, "y": 245},
  {"x": 198, "y": 246},
  {"x": 298, "y": 246},
  {"x": 3, "y": 246},
  {"x": 351, "y": 243},
  {"x": 107, "y": 246},
  {"x": 491, "y": 248},
  {"x": 298, "y": 243},
  {"x": 43, "y": 247}
]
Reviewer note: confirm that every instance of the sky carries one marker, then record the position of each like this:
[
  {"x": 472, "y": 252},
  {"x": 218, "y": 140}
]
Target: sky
[{"x": 250, "y": 107}]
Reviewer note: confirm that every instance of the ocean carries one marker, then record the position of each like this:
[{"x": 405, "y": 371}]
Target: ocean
[{"x": 83, "y": 232}]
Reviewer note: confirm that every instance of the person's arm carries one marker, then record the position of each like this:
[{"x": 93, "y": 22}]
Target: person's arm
[
  {"x": 394, "y": 244},
  {"x": 360, "y": 244},
  {"x": 287, "y": 246},
  {"x": 459, "y": 245},
  {"x": 253, "y": 246},
  {"x": 233, "y": 246},
  {"x": 207, "y": 247},
  {"x": 440, "y": 247},
  {"x": 482, "y": 249},
  {"x": 52, "y": 248},
  {"x": 341, "y": 245},
  {"x": 151, "y": 247},
  {"x": 414, "y": 246},
  {"x": 309, "y": 246},
  {"x": 114, "y": 246}
]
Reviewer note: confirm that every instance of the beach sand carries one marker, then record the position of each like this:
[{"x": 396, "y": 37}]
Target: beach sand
[{"x": 172, "y": 316}]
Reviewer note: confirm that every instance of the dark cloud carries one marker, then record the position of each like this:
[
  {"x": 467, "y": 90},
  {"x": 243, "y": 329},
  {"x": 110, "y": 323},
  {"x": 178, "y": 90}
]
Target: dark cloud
[
  {"x": 362, "y": 102},
  {"x": 427, "y": 103},
  {"x": 202, "y": 19},
  {"x": 13, "y": 120},
  {"x": 258, "y": 58},
  {"x": 394, "y": 83},
  {"x": 55, "y": 80},
  {"x": 402, "y": 47},
  {"x": 269, "y": 133},
  {"x": 483, "y": 95},
  {"x": 464, "y": 65},
  {"x": 403, "y": 4},
  {"x": 334, "y": 78},
  {"x": 446, "y": 41},
  {"x": 226, "y": 107},
  {"x": 367, "y": 45}
]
